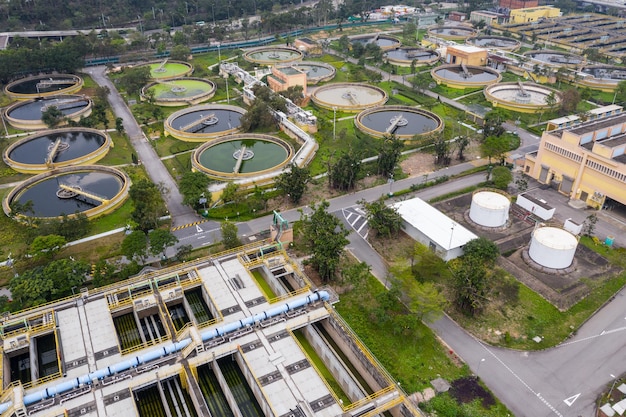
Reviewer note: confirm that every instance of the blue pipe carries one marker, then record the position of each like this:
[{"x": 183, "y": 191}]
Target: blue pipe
[{"x": 154, "y": 354}]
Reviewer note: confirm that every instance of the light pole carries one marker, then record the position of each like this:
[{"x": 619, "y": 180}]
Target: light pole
[
  {"x": 203, "y": 201},
  {"x": 480, "y": 363},
  {"x": 213, "y": 13},
  {"x": 334, "y": 123},
  {"x": 612, "y": 386},
  {"x": 451, "y": 235}
]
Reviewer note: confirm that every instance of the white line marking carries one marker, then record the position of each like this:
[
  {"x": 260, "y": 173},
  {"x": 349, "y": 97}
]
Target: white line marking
[
  {"x": 569, "y": 401},
  {"x": 362, "y": 226},
  {"x": 199, "y": 229},
  {"x": 604, "y": 333},
  {"x": 348, "y": 216}
]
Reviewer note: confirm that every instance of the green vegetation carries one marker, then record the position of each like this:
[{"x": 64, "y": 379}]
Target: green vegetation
[{"x": 263, "y": 285}]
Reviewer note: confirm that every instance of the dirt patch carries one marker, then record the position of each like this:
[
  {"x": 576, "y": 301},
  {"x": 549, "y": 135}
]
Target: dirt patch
[{"x": 466, "y": 390}]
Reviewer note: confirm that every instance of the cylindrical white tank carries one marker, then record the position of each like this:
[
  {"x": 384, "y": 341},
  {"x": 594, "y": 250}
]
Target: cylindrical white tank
[
  {"x": 489, "y": 209},
  {"x": 552, "y": 247}
]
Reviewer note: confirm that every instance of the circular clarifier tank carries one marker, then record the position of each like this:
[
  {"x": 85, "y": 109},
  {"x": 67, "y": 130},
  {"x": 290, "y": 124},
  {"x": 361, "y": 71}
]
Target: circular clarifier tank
[
  {"x": 316, "y": 72},
  {"x": 602, "y": 77},
  {"x": 350, "y": 97},
  {"x": 167, "y": 70},
  {"x": 385, "y": 42},
  {"x": 522, "y": 97},
  {"x": 465, "y": 76},
  {"x": 552, "y": 247},
  {"x": 495, "y": 42},
  {"x": 270, "y": 55},
  {"x": 245, "y": 155},
  {"x": 405, "y": 56},
  {"x": 555, "y": 59},
  {"x": 44, "y": 85},
  {"x": 489, "y": 209},
  {"x": 57, "y": 148},
  {"x": 402, "y": 121},
  {"x": 27, "y": 114},
  {"x": 453, "y": 33},
  {"x": 92, "y": 190},
  {"x": 179, "y": 92},
  {"x": 204, "y": 122}
]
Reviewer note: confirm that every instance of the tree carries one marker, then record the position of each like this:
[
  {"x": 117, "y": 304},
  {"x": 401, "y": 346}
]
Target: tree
[
  {"x": 343, "y": 174},
  {"x": 344, "y": 44},
  {"x": 442, "y": 150},
  {"x": 462, "y": 142},
  {"x": 385, "y": 220},
  {"x": 325, "y": 238},
  {"x": 229, "y": 235},
  {"x": 52, "y": 116},
  {"x": 355, "y": 275},
  {"x": 589, "y": 225},
  {"x": 571, "y": 98},
  {"x": 194, "y": 185},
  {"x": 501, "y": 177},
  {"x": 160, "y": 240},
  {"x": 119, "y": 125},
  {"x": 495, "y": 147},
  {"x": 492, "y": 123},
  {"x": 148, "y": 204},
  {"x": 293, "y": 182},
  {"x": 422, "y": 298},
  {"x": 482, "y": 249},
  {"x": 47, "y": 246},
  {"x": 135, "y": 246},
  {"x": 620, "y": 92},
  {"x": 180, "y": 52},
  {"x": 294, "y": 93},
  {"x": 134, "y": 79},
  {"x": 389, "y": 152},
  {"x": 182, "y": 252},
  {"x": 229, "y": 194},
  {"x": 470, "y": 284}
]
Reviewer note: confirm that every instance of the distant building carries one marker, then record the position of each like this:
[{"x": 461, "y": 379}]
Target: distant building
[
  {"x": 457, "y": 16},
  {"x": 518, "y": 4},
  {"x": 466, "y": 55},
  {"x": 533, "y": 14},
  {"x": 490, "y": 18},
  {"x": 434, "y": 229},
  {"x": 308, "y": 46},
  {"x": 424, "y": 20},
  {"x": 282, "y": 78},
  {"x": 584, "y": 160}
]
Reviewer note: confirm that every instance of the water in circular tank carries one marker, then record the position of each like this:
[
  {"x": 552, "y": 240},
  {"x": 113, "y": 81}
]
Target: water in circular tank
[
  {"x": 489, "y": 209},
  {"x": 552, "y": 247}
]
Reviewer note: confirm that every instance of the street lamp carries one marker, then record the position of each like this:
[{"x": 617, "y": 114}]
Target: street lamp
[
  {"x": 451, "y": 235},
  {"x": 203, "y": 201},
  {"x": 334, "y": 123},
  {"x": 480, "y": 363},
  {"x": 612, "y": 386}
]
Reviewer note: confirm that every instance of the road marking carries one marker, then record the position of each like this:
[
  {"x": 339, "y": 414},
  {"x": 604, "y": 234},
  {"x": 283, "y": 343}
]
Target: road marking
[
  {"x": 604, "y": 333},
  {"x": 361, "y": 228},
  {"x": 199, "y": 229},
  {"x": 569, "y": 401}
]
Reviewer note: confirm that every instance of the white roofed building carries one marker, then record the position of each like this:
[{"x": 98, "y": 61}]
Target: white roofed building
[{"x": 432, "y": 228}]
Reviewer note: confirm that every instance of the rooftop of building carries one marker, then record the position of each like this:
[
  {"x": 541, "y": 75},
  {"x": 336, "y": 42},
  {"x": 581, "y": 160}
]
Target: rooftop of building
[{"x": 593, "y": 125}]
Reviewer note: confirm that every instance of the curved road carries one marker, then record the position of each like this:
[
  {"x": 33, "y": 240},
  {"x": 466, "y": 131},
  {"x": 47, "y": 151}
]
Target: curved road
[{"x": 181, "y": 214}]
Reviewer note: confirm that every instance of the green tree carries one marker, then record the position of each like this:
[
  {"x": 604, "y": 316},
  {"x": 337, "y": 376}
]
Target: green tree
[
  {"x": 160, "y": 240},
  {"x": 52, "y": 116},
  {"x": 135, "y": 246},
  {"x": 148, "y": 204},
  {"x": 501, "y": 177},
  {"x": 495, "y": 147},
  {"x": 193, "y": 185},
  {"x": 470, "y": 284},
  {"x": 229, "y": 235},
  {"x": 482, "y": 249},
  {"x": 180, "y": 52},
  {"x": 620, "y": 92},
  {"x": 385, "y": 220},
  {"x": 325, "y": 238},
  {"x": 344, "y": 173},
  {"x": 492, "y": 123},
  {"x": 389, "y": 153},
  {"x": 47, "y": 246},
  {"x": 230, "y": 192},
  {"x": 294, "y": 93},
  {"x": 461, "y": 143},
  {"x": 570, "y": 100},
  {"x": 344, "y": 44},
  {"x": 119, "y": 125},
  {"x": 293, "y": 182},
  {"x": 182, "y": 252},
  {"x": 134, "y": 79},
  {"x": 422, "y": 298}
]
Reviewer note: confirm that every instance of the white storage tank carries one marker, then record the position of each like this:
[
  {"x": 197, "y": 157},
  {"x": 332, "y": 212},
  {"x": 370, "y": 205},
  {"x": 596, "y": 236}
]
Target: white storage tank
[
  {"x": 552, "y": 247},
  {"x": 489, "y": 209}
]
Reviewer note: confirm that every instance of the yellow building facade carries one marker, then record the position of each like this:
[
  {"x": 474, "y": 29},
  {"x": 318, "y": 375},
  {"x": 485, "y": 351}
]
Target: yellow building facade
[
  {"x": 533, "y": 14},
  {"x": 587, "y": 161},
  {"x": 282, "y": 78},
  {"x": 466, "y": 55}
]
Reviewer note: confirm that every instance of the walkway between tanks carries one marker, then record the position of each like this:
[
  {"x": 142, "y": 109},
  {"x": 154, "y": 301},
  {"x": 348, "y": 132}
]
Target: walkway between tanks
[{"x": 180, "y": 213}]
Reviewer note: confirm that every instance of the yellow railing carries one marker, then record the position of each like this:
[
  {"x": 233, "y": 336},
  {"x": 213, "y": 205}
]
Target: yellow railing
[
  {"x": 42, "y": 380},
  {"x": 363, "y": 401},
  {"x": 386, "y": 406},
  {"x": 144, "y": 345},
  {"x": 274, "y": 413},
  {"x": 115, "y": 304},
  {"x": 300, "y": 291},
  {"x": 183, "y": 329}
]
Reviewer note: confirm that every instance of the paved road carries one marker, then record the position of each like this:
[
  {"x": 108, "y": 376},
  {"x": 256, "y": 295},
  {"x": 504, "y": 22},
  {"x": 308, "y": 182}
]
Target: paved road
[{"x": 180, "y": 213}]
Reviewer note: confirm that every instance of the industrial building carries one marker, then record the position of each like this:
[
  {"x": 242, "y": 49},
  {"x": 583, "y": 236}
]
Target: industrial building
[
  {"x": 533, "y": 14},
  {"x": 432, "y": 228},
  {"x": 240, "y": 333},
  {"x": 584, "y": 159},
  {"x": 465, "y": 55}
]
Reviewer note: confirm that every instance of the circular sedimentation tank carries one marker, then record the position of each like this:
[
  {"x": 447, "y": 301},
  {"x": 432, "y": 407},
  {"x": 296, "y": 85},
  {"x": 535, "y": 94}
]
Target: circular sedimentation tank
[
  {"x": 241, "y": 156},
  {"x": 602, "y": 77},
  {"x": 465, "y": 76},
  {"x": 271, "y": 55},
  {"x": 57, "y": 148},
  {"x": 385, "y": 42},
  {"x": 452, "y": 33},
  {"x": 405, "y": 56},
  {"x": 495, "y": 42},
  {"x": 552, "y": 247},
  {"x": 489, "y": 209},
  {"x": 402, "y": 121},
  {"x": 204, "y": 122},
  {"x": 27, "y": 114},
  {"x": 351, "y": 97},
  {"x": 522, "y": 97},
  {"x": 91, "y": 190},
  {"x": 555, "y": 59},
  {"x": 179, "y": 92},
  {"x": 167, "y": 70},
  {"x": 43, "y": 86},
  {"x": 316, "y": 72}
]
